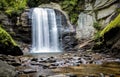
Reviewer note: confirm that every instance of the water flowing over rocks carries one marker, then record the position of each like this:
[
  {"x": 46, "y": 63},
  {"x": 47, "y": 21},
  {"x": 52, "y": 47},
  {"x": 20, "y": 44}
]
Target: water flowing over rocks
[
  {"x": 47, "y": 65},
  {"x": 96, "y": 11},
  {"x": 74, "y": 62}
]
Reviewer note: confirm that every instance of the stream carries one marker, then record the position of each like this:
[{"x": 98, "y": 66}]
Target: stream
[{"x": 70, "y": 64}]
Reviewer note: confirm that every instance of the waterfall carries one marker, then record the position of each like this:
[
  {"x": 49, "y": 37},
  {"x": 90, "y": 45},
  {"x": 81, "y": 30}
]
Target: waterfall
[{"x": 44, "y": 31}]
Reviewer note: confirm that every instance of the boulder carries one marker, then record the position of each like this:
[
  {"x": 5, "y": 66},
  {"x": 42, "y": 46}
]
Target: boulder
[
  {"x": 69, "y": 41},
  {"x": 6, "y": 70},
  {"x": 110, "y": 37},
  {"x": 8, "y": 45},
  {"x": 85, "y": 27}
]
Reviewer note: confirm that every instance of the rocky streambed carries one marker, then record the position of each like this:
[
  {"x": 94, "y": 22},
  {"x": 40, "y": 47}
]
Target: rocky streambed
[{"x": 71, "y": 64}]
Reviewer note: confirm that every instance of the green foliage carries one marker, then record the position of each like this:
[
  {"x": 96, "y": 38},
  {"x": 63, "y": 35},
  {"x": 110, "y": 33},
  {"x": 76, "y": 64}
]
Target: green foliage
[
  {"x": 72, "y": 7},
  {"x": 5, "y": 38},
  {"x": 96, "y": 25},
  {"x": 68, "y": 4},
  {"x": 12, "y": 6},
  {"x": 97, "y": 35},
  {"x": 118, "y": 10},
  {"x": 36, "y": 3},
  {"x": 113, "y": 24},
  {"x": 98, "y": 43}
]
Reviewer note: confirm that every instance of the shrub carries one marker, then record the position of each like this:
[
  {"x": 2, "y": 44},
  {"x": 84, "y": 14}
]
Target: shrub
[
  {"x": 12, "y": 6},
  {"x": 96, "y": 25}
]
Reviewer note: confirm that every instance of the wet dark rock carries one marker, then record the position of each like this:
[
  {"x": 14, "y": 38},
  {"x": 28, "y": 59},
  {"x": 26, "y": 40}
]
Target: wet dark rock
[
  {"x": 110, "y": 44},
  {"x": 34, "y": 59},
  {"x": 71, "y": 75},
  {"x": 52, "y": 57},
  {"x": 15, "y": 64},
  {"x": 10, "y": 50},
  {"x": 10, "y": 60},
  {"x": 51, "y": 60},
  {"x": 111, "y": 75},
  {"x": 91, "y": 62},
  {"x": 42, "y": 76},
  {"x": 27, "y": 71},
  {"x": 36, "y": 63},
  {"x": 54, "y": 64},
  {"x": 45, "y": 66},
  {"x": 69, "y": 41}
]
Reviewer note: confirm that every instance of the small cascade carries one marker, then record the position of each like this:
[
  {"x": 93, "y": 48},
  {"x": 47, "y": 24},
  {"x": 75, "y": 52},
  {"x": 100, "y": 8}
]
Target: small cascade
[{"x": 44, "y": 31}]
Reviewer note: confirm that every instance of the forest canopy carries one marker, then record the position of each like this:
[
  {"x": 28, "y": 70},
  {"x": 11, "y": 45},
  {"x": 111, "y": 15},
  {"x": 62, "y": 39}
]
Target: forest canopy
[{"x": 12, "y": 6}]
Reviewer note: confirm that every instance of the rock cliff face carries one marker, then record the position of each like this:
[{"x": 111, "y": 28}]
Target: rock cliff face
[
  {"x": 110, "y": 38},
  {"x": 99, "y": 12},
  {"x": 96, "y": 13}
]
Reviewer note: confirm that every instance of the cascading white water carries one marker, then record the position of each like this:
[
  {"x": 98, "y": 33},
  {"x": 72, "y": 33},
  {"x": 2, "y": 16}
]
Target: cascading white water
[{"x": 44, "y": 31}]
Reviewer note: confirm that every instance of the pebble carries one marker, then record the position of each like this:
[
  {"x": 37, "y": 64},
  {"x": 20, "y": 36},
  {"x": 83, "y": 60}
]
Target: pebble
[
  {"x": 15, "y": 64},
  {"x": 56, "y": 62},
  {"x": 71, "y": 75},
  {"x": 60, "y": 75},
  {"x": 27, "y": 71},
  {"x": 34, "y": 59}
]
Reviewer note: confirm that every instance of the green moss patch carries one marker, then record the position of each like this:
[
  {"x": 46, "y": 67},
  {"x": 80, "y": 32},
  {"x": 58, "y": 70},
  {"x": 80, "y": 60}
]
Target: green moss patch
[
  {"x": 71, "y": 7},
  {"x": 12, "y": 6},
  {"x": 8, "y": 45},
  {"x": 5, "y": 38}
]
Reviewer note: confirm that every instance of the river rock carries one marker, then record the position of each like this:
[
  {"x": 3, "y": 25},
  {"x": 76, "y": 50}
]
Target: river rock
[
  {"x": 71, "y": 75},
  {"x": 27, "y": 71},
  {"x": 15, "y": 64},
  {"x": 34, "y": 59},
  {"x": 6, "y": 70},
  {"x": 60, "y": 75}
]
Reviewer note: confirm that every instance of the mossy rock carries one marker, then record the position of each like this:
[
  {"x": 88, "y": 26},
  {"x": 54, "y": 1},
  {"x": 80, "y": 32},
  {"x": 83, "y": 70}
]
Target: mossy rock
[
  {"x": 110, "y": 37},
  {"x": 8, "y": 45},
  {"x": 5, "y": 38},
  {"x": 113, "y": 24}
]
